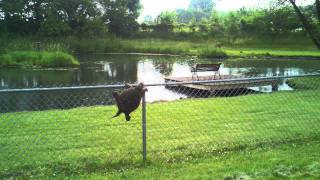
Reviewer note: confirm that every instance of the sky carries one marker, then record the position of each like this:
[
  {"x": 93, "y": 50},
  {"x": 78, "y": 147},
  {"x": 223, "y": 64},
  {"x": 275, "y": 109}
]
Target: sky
[{"x": 154, "y": 7}]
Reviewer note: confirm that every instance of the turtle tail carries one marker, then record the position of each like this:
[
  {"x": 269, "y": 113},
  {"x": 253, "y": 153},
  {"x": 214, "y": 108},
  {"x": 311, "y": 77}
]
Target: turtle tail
[
  {"x": 118, "y": 113},
  {"x": 117, "y": 98}
]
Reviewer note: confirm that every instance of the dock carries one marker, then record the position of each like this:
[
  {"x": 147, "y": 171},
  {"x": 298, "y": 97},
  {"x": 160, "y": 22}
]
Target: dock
[{"x": 224, "y": 85}]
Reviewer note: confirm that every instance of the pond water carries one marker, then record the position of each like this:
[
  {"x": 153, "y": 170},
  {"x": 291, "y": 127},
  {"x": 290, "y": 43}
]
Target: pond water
[{"x": 114, "y": 69}]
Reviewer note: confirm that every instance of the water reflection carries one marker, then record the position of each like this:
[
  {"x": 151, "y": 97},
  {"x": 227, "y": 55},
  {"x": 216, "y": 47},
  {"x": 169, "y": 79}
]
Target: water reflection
[{"x": 111, "y": 69}]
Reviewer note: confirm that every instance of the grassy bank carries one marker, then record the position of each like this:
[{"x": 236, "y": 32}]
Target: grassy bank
[
  {"x": 305, "y": 83},
  {"x": 299, "y": 47},
  {"x": 37, "y": 59},
  {"x": 87, "y": 142},
  {"x": 214, "y": 48}
]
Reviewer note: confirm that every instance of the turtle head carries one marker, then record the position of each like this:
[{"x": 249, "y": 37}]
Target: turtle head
[{"x": 141, "y": 88}]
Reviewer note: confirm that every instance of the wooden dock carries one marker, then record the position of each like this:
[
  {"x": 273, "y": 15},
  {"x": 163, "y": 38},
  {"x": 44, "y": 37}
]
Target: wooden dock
[{"x": 222, "y": 85}]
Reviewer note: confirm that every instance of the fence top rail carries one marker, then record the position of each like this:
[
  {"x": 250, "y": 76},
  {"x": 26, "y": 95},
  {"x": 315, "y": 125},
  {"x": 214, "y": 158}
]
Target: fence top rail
[{"x": 158, "y": 84}]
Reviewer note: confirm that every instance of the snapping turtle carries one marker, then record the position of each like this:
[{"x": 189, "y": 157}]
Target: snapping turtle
[{"x": 129, "y": 99}]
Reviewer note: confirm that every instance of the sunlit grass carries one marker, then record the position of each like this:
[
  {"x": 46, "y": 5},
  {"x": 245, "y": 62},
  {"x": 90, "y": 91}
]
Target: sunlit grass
[
  {"x": 245, "y": 52},
  {"x": 297, "y": 160},
  {"x": 84, "y": 141}
]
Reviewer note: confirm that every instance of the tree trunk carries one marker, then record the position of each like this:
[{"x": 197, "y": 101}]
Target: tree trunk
[{"x": 307, "y": 25}]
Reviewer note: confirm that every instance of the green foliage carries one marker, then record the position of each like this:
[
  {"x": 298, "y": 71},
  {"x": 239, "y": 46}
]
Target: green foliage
[
  {"x": 212, "y": 52},
  {"x": 197, "y": 11},
  {"x": 202, "y": 5},
  {"x": 121, "y": 16},
  {"x": 76, "y": 17},
  {"x": 39, "y": 59},
  {"x": 184, "y": 15},
  {"x": 275, "y": 22},
  {"x": 54, "y": 27},
  {"x": 177, "y": 44},
  {"x": 232, "y": 26},
  {"x": 93, "y": 28},
  {"x": 280, "y": 21},
  {"x": 166, "y": 21}
]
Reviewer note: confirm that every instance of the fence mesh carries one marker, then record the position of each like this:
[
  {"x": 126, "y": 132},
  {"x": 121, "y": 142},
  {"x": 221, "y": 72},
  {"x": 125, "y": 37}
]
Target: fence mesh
[{"x": 71, "y": 131}]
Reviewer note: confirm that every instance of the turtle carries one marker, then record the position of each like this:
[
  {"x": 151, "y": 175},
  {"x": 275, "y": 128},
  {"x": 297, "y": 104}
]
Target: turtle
[{"x": 129, "y": 100}]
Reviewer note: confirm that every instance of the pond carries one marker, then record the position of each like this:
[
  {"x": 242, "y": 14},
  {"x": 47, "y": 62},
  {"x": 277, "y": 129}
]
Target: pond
[{"x": 114, "y": 69}]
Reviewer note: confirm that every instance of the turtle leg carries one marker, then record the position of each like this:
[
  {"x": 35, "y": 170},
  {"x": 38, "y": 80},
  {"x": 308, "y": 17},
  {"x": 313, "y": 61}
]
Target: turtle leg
[{"x": 128, "y": 117}]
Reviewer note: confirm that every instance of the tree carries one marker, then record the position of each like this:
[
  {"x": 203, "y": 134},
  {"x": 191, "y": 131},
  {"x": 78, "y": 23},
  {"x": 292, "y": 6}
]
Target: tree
[
  {"x": 275, "y": 21},
  {"x": 36, "y": 9},
  {"x": 120, "y": 15},
  {"x": 184, "y": 15},
  {"x": 76, "y": 12},
  {"x": 282, "y": 21},
  {"x": 1, "y": 10},
  {"x": 205, "y": 6},
  {"x": 165, "y": 21},
  {"x": 61, "y": 17},
  {"x": 14, "y": 15},
  {"x": 318, "y": 9},
  {"x": 2, "y": 28},
  {"x": 215, "y": 24},
  {"x": 308, "y": 26},
  {"x": 201, "y": 9},
  {"x": 148, "y": 20},
  {"x": 53, "y": 26},
  {"x": 232, "y": 26}
]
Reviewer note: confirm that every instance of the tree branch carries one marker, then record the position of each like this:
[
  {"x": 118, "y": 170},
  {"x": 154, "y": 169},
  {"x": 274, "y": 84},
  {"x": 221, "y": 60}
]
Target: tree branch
[{"x": 307, "y": 25}]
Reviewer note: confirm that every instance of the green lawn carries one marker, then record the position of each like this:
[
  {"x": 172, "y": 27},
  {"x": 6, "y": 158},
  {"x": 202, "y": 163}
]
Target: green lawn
[
  {"x": 294, "y": 161},
  {"x": 87, "y": 142}
]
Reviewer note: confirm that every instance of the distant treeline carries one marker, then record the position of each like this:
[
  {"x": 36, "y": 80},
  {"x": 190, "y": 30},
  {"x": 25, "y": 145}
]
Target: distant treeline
[
  {"x": 69, "y": 17},
  {"x": 119, "y": 17},
  {"x": 277, "y": 21}
]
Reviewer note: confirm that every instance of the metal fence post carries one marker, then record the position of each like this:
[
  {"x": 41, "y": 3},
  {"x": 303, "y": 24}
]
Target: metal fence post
[{"x": 144, "y": 129}]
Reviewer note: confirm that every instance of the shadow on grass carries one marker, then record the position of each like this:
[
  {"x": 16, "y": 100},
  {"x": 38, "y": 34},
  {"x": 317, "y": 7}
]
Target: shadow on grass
[{"x": 198, "y": 93}]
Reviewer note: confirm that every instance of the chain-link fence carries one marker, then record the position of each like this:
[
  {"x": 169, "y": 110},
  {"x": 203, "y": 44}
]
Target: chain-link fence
[{"x": 70, "y": 130}]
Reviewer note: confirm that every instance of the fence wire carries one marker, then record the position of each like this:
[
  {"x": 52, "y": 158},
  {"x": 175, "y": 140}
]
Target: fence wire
[{"x": 70, "y": 130}]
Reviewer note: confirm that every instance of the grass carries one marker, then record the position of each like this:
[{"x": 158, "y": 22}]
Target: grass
[
  {"x": 201, "y": 48},
  {"x": 210, "y": 47},
  {"x": 216, "y": 133},
  {"x": 247, "y": 52},
  {"x": 304, "y": 83},
  {"x": 37, "y": 59},
  {"x": 262, "y": 163}
]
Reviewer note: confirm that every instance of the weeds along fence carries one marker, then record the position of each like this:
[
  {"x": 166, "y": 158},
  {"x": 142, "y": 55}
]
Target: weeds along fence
[{"x": 70, "y": 130}]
